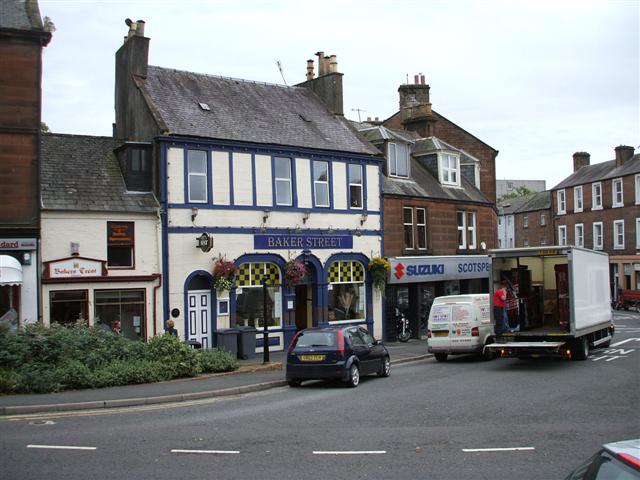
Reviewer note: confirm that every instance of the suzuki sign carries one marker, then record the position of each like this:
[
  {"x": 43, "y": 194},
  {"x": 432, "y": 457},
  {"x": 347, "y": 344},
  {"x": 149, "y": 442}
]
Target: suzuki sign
[{"x": 431, "y": 269}]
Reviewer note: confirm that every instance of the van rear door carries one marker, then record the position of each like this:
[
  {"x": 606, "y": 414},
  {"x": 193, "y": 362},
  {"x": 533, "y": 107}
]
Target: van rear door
[{"x": 440, "y": 326}]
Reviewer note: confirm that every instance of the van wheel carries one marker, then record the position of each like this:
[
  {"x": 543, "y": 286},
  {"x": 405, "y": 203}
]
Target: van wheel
[
  {"x": 581, "y": 348},
  {"x": 441, "y": 357}
]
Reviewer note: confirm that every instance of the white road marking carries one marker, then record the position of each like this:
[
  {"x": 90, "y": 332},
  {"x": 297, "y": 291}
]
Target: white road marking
[
  {"x": 61, "y": 447},
  {"x": 506, "y": 449},
  {"x": 349, "y": 452},
  {"x": 624, "y": 341},
  {"x": 208, "y": 452}
]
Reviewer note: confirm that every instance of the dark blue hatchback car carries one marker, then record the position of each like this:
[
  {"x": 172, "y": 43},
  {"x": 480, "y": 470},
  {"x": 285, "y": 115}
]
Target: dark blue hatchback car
[{"x": 335, "y": 353}]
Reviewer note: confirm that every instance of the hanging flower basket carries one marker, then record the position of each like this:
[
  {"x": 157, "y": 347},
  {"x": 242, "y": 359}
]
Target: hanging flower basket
[
  {"x": 224, "y": 272},
  {"x": 379, "y": 269},
  {"x": 294, "y": 272}
]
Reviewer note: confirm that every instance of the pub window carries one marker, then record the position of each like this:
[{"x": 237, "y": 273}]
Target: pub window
[
  {"x": 68, "y": 307},
  {"x": 282, "y": 167},
  {"x": 346, "y": 291},
  {"x": 408, "y": 228},
  {"x": 120, "y": 244},
  {"x": 250, "y": 300},
  {"x": 320, "y": 183},
  {"x": 197, "y": 165},
  {"x": 355, "y": 186}
]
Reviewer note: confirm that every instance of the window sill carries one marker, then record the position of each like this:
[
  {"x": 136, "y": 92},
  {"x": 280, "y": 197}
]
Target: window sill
[{"x": 593, "y": 209}]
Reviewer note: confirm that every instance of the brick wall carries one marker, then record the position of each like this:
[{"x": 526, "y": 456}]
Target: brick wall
[
  {"x": 442, "y": 228},
  {"x": 535, "y": 233}
]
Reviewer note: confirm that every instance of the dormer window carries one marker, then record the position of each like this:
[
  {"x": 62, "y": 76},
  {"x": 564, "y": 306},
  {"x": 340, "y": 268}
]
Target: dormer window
[
  {"x": 449, "y": 169},
  {"x": 398, "y": 160}
]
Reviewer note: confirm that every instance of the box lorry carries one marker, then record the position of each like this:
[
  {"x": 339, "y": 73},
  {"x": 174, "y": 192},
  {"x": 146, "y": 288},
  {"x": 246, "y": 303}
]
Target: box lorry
[
  {"x": 558, "y": 302},
  {"x": 459, "y": 324}
]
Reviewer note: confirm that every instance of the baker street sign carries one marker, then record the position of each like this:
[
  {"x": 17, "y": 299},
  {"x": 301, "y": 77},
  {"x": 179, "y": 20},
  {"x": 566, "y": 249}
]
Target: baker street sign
[{"x": 306, "y": 242}]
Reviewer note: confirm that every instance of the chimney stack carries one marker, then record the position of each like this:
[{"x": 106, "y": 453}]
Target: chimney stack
[
  {"x": 623, "y": 154},
  {"x": 580, "y": 159},
  {"x": 328, "y": 84},
  {"x": 415, "y": 107}
]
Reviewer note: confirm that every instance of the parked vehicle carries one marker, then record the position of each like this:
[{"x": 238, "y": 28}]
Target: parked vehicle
[
  {"x": 460, "y": 324},
  {"x": 335, "y": 353},
  {"x": 619, "y": 460},
  {"x": 560, "y": 303},
  {"x": 628, "y": 299},
  {"x": 402, "y": 326}
]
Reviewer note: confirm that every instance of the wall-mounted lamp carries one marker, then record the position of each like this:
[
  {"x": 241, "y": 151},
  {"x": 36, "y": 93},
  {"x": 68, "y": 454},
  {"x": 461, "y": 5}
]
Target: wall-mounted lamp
[
  {"x": 298, "y": 229},
  {"x": 74, "y": 248},
  {"x": 330, "y": 229},
  {"x": 358, "y": 232},
  {"x": 483, "y": 246},
  {"x": 194, "y": 214},
  {"x": 363, "y": 218},
  {"x": 265, "y": 215},
  {"x": 305, "y": 216}
]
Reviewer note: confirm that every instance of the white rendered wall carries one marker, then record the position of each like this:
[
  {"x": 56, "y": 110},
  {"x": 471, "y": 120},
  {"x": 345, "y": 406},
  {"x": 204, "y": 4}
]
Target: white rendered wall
[
  {"x": 175, "y": 175},
  {"x": 220, "y": 180},
  {"x": 264, "y": 192},
  {"x": 242, "y": 179},
  {"x": 339, "y": 183},
  {"x": 303, "y": 182},
  {"x": 373, "y": 187}
]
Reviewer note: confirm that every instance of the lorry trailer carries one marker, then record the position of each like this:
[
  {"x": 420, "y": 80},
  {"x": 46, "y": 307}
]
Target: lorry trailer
[{"x": 558, "y": 302}]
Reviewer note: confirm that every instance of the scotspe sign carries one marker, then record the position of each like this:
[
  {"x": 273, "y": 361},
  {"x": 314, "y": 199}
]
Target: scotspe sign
[{"x": 431, "y": 269}]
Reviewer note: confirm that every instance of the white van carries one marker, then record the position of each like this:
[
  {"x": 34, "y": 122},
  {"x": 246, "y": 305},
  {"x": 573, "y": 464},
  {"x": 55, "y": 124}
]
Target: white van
[{"x": 459, "y": 324}]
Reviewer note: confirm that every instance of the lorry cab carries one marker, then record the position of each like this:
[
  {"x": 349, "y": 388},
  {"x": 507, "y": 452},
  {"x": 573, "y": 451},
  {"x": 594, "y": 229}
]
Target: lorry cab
[{"x": 459, "y": 324}]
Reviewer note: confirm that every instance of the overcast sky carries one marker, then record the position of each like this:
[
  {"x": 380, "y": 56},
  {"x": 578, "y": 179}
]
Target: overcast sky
[{"x": 536, "y": 80}]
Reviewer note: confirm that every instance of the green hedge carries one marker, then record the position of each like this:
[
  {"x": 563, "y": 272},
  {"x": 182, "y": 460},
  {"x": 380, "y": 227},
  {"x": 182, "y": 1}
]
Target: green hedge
[{"x": 40, "y": 359}]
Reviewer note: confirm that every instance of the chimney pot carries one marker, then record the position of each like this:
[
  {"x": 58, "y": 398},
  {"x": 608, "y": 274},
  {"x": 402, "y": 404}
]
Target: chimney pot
[
  {"x": 309, "y": 69},
  {"x": 321, "y": 65},
  {"x": 623, "y": 154},
  {"x": 580, "y": 159},
  {"x": 140, "y": 28},
  {"x": 422, "y": 80},
  {"x": 333, "y": 64},
  {"x": 415, "y": 80}
]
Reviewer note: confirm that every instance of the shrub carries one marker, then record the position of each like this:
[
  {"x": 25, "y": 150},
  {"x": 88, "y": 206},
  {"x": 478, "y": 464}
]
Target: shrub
[
  {"x": 9, "y": 380},
  {"x": 217, "y": 360},
  {"x": 174, "y": 354},
  {"x": 129, "y": 372}
]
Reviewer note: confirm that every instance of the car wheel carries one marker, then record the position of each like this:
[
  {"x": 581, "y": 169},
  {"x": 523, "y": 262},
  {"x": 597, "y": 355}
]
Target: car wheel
[
  {"x": 385, "y": 368},
  {"x": 441, "y": 357},
  {"x": 354, "y": 376},
  {"x": 294, "y": 382},
  {"x": 581, "y": 348}
]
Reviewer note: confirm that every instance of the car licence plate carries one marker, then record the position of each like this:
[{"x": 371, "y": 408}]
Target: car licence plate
[
  {"x": 440, "y": 334},
  {"x": 311, "y": 358}
]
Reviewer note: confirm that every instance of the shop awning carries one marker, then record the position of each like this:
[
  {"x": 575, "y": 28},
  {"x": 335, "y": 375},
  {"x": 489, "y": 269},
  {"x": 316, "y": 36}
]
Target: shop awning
[{"x": 10, "y": 271}]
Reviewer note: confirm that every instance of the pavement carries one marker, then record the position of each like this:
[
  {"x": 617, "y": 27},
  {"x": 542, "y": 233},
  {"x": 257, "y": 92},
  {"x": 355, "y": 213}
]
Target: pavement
[{"x": 252, "y": 376}]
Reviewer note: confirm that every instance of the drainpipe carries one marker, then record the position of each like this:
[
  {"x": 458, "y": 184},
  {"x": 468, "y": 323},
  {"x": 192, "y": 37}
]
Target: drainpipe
[{"x": 155, "y": 307}]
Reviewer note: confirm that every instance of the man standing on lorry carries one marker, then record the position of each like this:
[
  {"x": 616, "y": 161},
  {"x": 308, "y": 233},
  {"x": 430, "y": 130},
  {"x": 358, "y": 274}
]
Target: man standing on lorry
[{"x": 499, "y": 310}]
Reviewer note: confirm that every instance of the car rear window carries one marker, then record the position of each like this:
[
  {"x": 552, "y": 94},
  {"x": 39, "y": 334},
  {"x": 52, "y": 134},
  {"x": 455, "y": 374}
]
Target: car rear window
[{"x": 317, "y": 339}]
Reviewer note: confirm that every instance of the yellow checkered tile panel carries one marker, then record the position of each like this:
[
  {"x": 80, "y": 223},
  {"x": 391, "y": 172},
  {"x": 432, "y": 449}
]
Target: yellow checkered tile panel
[
  {"x": 253, "y": 274},
  {"x": 346, "y": 272}
]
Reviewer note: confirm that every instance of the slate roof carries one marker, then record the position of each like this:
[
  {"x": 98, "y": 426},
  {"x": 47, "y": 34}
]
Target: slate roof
[
  {"x": 424, "y": 146},
  {"x": 81, "y": 172},
  {"x": 246, "y": 111},
  {"x": 423, "y": 184},
  {"x": 526, "y": 203},
  {"x": 378, "y": 133},
  {"x": 20, "y": 15},
  {"x": 601, "y": 171}
]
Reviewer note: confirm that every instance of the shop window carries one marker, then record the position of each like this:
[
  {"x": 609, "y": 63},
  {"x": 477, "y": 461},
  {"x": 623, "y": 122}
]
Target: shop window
[
  {"x": 421, "y": 228},
  {"x": 408, "y": 228},
  {"x": 355, "y": 186},
  {"x": 125, "y": 306},
  {"x": 197, "y": 166},
  {"x": 250, "y": 298},
  {"x": 120, "y": 244},
  {"x": 346, "y": 291},
  {"x": 68, "y": 307}
]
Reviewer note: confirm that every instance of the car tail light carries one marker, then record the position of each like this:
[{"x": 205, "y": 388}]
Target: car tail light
[
  {"x": 475, "y": 332},
  {"x": 340, "y": 342},
  {"x": 630, "y": 459},
  {"x": 428, "y": 333},
  {"x": 293, "y": 342}
]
